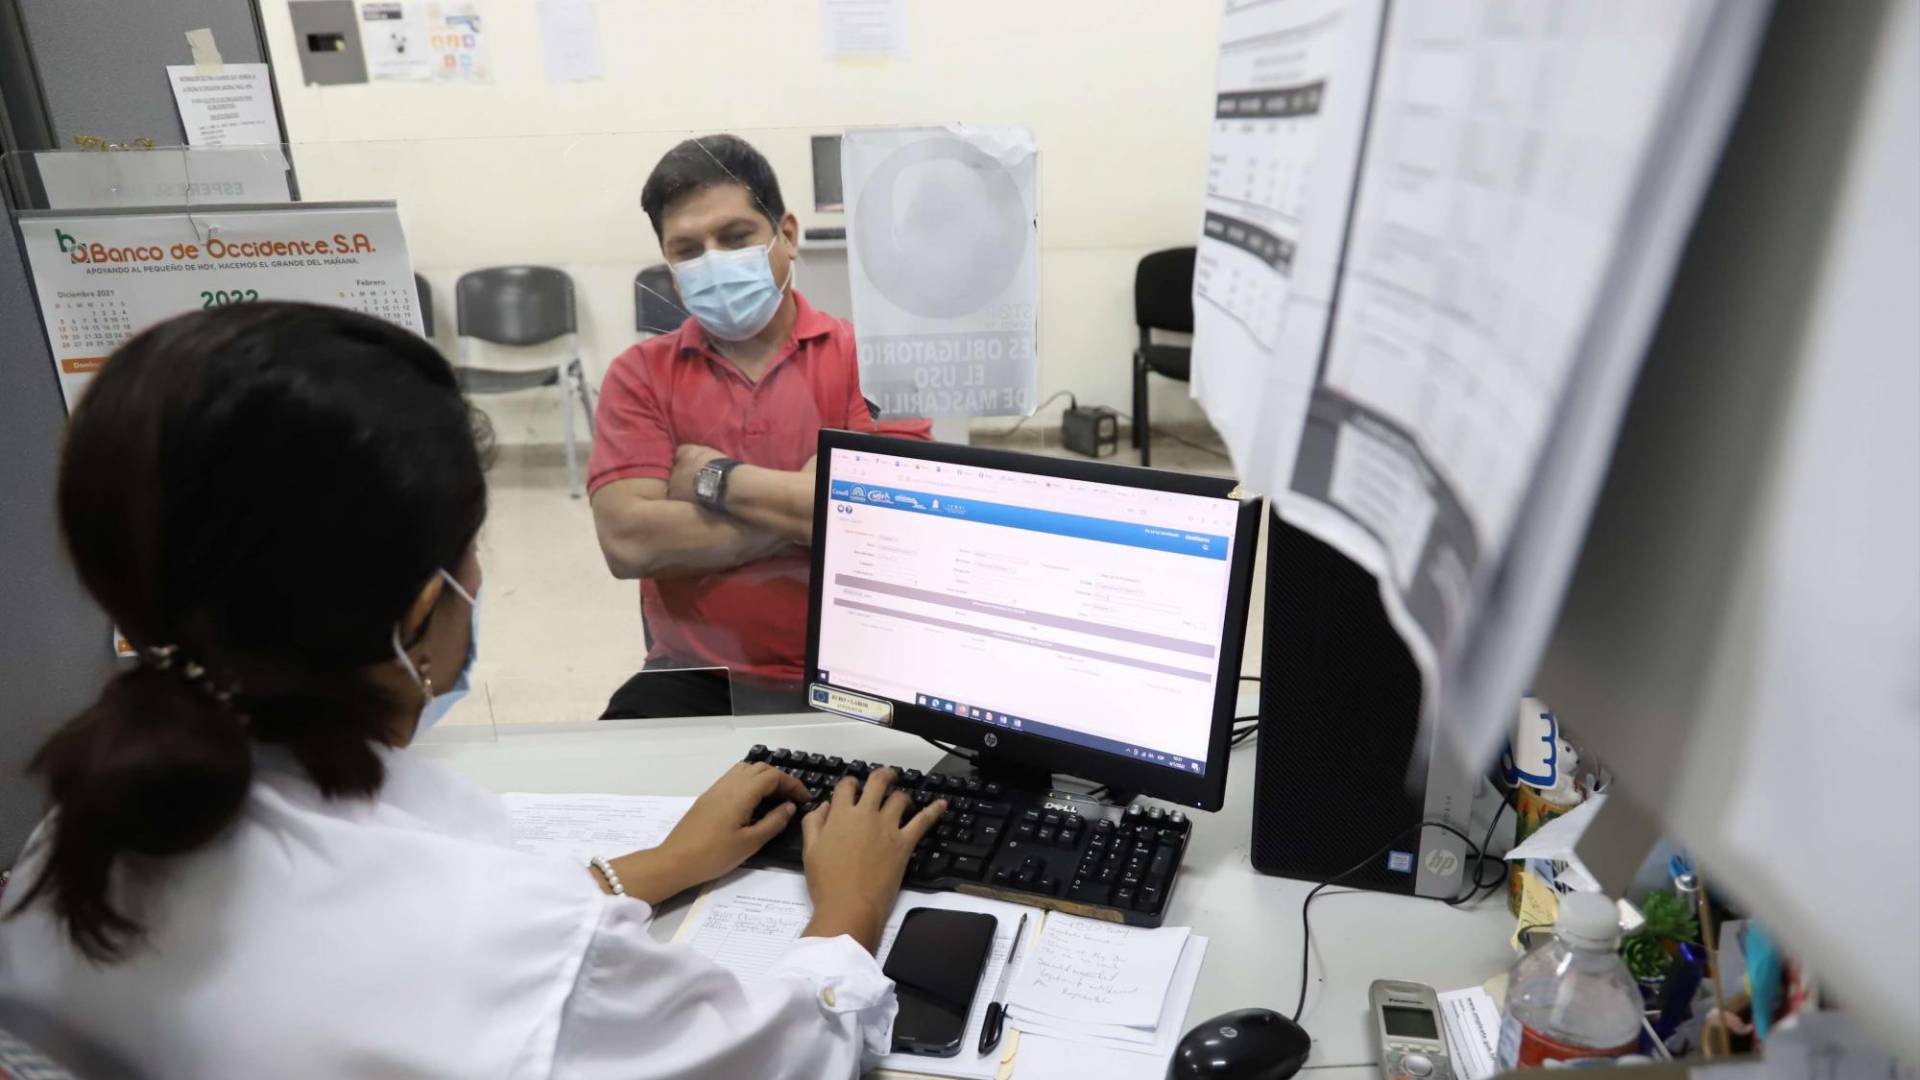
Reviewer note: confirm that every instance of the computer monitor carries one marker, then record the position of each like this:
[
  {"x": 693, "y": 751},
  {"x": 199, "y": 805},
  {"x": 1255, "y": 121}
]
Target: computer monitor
[
  {"x": 1054, "y": 615},
  {"x": 828, "y": 196}
]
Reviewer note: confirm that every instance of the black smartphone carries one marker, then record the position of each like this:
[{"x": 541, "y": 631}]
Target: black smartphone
[{"x": 935, "y": 964}]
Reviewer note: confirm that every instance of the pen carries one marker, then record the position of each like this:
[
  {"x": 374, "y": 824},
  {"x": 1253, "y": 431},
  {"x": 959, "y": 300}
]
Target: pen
[{"x": 997, "y": 1009}]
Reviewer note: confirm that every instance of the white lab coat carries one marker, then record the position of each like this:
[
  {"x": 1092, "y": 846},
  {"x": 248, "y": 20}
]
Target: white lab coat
[{"x": 401, "y": 936}]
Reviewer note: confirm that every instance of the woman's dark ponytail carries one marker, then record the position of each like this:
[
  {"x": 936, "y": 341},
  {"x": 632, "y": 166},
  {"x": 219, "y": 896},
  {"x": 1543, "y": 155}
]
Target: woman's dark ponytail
[
  {"x": 262, "y": 489},
  {"x": 158, "y": 766}
]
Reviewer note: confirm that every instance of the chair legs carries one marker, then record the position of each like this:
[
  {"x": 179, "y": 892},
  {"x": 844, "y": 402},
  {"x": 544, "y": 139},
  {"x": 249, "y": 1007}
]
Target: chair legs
[
  {"x": 586, "y": 394},
  {"x": 568, "y": 392},
  {"x": 1142, "y": 431}
]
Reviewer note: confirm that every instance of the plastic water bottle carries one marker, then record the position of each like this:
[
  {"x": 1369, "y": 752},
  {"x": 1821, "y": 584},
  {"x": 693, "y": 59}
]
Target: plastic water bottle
[{"x": 1572, "y": 998}]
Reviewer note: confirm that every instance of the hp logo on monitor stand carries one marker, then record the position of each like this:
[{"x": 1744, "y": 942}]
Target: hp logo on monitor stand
[{"x": 992, "y": 740}]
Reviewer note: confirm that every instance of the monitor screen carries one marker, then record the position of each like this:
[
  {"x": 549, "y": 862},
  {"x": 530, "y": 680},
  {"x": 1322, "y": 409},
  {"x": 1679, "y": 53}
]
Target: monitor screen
[
  {"x": 827, "y": 196},
  {"x": 1088, "y": 613}
]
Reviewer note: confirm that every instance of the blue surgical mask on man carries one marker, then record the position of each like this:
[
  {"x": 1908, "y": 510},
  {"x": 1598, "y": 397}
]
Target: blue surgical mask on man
[
  {"x": 732, "y": 293},
  {"x": 438, "y": 704}
]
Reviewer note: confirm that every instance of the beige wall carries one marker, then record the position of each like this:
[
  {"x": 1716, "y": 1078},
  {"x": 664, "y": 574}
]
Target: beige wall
[{"x": 524, "y": 170}]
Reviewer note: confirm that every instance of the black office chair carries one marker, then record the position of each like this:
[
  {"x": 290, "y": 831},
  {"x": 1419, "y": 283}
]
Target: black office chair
[
  {"x": 524, "y": 305},
  {"x": 656, "y": 303},
  {"x": 1162, "y": 300},
  {"x": 425, "y": 290}
]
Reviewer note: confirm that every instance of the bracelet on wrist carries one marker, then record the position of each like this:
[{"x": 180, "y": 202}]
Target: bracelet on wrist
[{"x": 607, "y": 872}]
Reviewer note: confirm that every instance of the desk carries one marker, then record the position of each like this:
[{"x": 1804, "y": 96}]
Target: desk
[{"x": 1252, "y": 920}]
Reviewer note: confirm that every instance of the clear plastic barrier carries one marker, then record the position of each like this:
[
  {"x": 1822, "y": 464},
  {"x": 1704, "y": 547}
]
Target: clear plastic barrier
[{"x": 562, "y": 626}]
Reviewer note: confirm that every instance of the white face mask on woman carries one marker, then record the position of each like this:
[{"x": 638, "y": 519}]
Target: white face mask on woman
[{"x": 438, "y": 705}]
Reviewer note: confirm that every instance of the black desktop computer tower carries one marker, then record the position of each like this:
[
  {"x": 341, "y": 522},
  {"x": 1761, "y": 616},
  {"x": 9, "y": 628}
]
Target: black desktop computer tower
[{"x": 1339, "y": 731}]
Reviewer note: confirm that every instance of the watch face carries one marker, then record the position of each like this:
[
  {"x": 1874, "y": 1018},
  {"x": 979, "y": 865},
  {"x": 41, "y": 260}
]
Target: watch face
[{"x": 706, "y": 483}]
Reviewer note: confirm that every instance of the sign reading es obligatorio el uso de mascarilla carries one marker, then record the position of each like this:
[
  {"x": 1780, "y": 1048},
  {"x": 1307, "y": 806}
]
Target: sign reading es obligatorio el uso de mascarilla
[{"x": 102, "y": 277}]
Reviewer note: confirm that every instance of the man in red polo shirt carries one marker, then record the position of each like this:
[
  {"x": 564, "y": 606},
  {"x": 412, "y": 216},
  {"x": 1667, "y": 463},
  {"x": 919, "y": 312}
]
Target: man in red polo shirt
[{"x": 702, "y": 471}]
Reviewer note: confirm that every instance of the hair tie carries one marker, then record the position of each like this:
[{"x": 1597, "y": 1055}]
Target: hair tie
[{"x": 169, "y": 658}]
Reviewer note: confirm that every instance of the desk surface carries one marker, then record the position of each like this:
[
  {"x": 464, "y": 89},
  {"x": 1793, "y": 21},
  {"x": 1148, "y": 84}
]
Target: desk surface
[{"x": 1252, "y": 920}]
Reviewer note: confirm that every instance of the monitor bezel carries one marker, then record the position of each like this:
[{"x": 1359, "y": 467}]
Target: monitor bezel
[{"x": 1202, "y": 791}]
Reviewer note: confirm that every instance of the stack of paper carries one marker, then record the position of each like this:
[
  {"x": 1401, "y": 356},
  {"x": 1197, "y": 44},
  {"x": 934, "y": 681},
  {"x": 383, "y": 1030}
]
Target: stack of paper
[
  {"x": 1099, "y": 992},
  {"x": 578, "y": 827},
  {"x": 745, "y": 923}
]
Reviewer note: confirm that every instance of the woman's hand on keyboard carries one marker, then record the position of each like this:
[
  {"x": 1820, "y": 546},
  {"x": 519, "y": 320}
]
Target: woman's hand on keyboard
[
  {"x": 717, "y": 833},
  {"x": 857, "y": 846}
]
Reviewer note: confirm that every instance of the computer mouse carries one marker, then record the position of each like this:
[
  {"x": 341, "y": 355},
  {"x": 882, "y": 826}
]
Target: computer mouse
[{"x": 1248, "y": 1044}]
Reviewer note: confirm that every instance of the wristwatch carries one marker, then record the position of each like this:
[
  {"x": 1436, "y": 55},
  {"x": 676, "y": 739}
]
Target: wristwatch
[{"x": 710, "y": 484}]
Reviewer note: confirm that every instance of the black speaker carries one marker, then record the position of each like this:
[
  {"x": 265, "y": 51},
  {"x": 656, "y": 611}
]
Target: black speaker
[{"x": 1339, "y": 720}]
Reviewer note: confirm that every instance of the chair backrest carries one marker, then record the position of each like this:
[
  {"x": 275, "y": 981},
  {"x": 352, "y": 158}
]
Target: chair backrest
[
  {"x": 35, "y": 1046},
  {"x": 656, "y": 303},
  {"x": 425, "y": 291},
  {"x": 514, "y": 305},
  {"x": 1163, "y": 291}
]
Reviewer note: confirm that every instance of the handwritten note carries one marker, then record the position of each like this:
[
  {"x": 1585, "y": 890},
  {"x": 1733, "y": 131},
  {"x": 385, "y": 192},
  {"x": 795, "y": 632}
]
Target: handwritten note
[
  {"x": 1092, "y": 972},
  {"x": 1123, "y": 1047}
]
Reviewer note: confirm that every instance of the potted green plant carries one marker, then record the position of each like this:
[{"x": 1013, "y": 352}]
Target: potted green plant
[{"x": 1650, "y": 949}]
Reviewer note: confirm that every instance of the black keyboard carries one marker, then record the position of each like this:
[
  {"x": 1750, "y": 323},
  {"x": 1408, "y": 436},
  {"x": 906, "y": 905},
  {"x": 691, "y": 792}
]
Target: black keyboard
[{"x": 1053, "y": 850}]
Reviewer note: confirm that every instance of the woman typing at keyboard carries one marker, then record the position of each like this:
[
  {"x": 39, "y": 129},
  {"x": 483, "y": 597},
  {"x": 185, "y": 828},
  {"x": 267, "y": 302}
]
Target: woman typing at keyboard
[{"x": 246, "y": 874}]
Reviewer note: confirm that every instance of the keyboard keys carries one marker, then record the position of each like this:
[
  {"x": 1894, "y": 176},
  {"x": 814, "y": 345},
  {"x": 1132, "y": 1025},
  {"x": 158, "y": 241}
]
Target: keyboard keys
[
  {"x": 1008, "y": 838},
  {"x": 1162, "y": 863},
  {"x": 1089, "y": 891}
]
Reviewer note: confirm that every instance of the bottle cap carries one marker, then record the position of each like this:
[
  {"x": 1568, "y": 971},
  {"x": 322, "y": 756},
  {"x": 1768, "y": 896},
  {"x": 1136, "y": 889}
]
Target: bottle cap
[{"x": 1588, "y": 919}]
